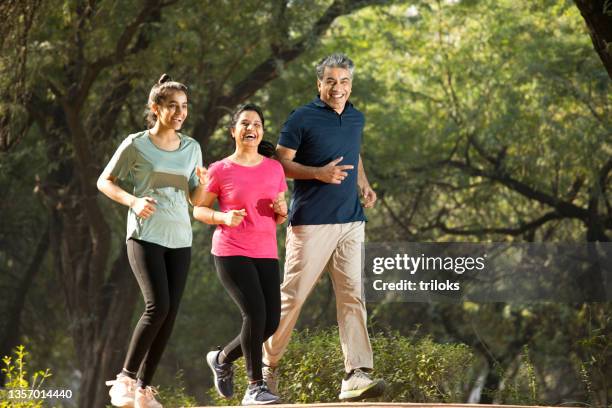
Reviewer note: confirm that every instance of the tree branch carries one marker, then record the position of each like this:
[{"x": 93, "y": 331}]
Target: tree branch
[
  {"x": 564, "y": 208},
  {"x": 600, "y": 29},
  {"x": 604, "y": 173},
  {"x": 527, "y": 227},
  {"x": 396, "y": 217},
  {"x": 267, "y": 70},
  {"x": 150, "y": 10}
]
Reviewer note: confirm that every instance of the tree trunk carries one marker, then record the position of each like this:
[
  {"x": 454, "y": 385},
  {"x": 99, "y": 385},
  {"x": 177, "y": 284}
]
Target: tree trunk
[
  {"x": 12, "y": 333},
  {"x": 120, "y": 295},
  {"x": 491, "y": 382},
  {"x": 598, "y": 17},
  {"x": 100, "y": 322}
]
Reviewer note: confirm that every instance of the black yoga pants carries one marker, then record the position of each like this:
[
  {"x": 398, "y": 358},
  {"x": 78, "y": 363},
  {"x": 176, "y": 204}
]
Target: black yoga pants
[
  {"x": 254, "y": 284},
  {"x": 161, "y": 274}
]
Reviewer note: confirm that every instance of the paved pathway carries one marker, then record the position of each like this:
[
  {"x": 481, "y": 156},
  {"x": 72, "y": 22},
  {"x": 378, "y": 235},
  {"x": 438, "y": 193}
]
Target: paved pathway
[{"x": 391, "y": 404}]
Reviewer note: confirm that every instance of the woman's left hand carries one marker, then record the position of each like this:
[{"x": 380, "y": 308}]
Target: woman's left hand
[{"x": 279, "y": 206}]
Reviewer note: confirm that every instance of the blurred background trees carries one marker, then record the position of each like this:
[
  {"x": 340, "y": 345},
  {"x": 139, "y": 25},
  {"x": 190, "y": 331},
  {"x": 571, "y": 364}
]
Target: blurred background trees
[{"x": 486, "y": 121}]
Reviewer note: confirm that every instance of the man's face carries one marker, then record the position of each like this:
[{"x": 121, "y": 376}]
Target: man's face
[{"x": 335, "y": 87}]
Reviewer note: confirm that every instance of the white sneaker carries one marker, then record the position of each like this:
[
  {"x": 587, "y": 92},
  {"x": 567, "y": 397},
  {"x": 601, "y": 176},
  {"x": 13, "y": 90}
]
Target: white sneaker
[
  {"x": 145, "y": 398},
  {"x": 122, "y": 391},
  {"x": 358, "y": 385},
  {"x": 270, "y": 376}
]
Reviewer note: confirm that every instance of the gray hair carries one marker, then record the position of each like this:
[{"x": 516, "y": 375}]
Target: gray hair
[{"x": 337, "y": 60}]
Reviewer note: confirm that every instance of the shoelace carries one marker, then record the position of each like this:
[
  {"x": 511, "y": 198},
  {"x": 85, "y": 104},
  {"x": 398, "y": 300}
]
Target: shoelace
[
  {"x": 361, "y": 374},
  {"x": 260, "y": 390},
  {"x": 223, "y": 373},
  {"x": 151, "y": 392},
  {"x": 225, "y": 370}
]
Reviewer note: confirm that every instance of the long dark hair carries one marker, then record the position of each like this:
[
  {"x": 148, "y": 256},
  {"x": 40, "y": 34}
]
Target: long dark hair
[
  {"x": 160, "y": 91},
  {"x": 265, "y": 148}
]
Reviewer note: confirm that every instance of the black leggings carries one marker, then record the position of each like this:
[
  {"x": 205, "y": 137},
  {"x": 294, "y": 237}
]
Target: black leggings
[
  {"x": 254, "y": 284},
  {"x": 161, "y": 274}
]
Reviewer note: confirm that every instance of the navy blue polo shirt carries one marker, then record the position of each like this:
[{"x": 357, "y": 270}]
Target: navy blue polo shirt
[{"x": 319, "y": 135}]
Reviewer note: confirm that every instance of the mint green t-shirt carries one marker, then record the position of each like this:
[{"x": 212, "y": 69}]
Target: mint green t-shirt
[{"x": 166, "y": 176}]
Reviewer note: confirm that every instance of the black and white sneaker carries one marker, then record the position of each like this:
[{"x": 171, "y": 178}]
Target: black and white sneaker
[
  {"x": 357, "y": 385},
  {"x": 224, "y": 374},
  {"x": 259, "y": 394}
]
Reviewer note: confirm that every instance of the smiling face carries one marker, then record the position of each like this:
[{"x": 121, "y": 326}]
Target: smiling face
[
  {"x": 248, "y": 130},
  {"x": 172, "y": 111},
  {"x": 335, "y": 87}
]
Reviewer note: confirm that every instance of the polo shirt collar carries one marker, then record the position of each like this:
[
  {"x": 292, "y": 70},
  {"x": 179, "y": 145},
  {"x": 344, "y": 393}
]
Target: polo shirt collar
[{"x": 318, "y": 102}]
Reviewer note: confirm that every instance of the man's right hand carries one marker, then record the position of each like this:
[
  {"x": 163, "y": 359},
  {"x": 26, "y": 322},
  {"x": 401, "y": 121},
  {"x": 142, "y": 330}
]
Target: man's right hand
[
  {"x": 233, "y": 218},
  {"x": 332, "y": 172},
  {"x": 144, "y": 207}
]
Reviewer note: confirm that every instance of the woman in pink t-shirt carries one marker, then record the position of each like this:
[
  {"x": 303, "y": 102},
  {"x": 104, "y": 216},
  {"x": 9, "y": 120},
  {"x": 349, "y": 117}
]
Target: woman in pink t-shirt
[{"x": 250, "y": 189}]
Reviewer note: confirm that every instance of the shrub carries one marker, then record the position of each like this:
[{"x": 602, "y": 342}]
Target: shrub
[
  {"x": 415, "y": 371},
  {"x": 521, "y": 388},
  {"x": 176, "y": 395},
  {"x": 17, "y": 380}
]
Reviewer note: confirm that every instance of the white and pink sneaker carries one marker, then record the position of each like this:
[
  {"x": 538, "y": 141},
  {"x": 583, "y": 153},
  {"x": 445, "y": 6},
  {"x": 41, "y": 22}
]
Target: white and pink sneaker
[
  {"x": 145, "y": 398},
  {"x": 122, "y": 391}
]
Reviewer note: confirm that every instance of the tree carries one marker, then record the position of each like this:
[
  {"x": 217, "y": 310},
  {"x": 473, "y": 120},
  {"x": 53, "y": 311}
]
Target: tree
[
  {"x": 81, "y": 74},
  {"x": 485, "y": 122}
]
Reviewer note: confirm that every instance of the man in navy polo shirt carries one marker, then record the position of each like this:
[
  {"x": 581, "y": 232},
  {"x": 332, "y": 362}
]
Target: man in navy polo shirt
[{"x": 319, "y": 147}]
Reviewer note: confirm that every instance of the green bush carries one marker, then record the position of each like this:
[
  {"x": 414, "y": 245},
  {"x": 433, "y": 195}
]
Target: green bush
[
  {"x": 17, "y": 379},
  {"x": 422, "y": 371},
  {"x": 176, "y": 395},
  {"x": 521, "y": 388},
  {"x": 414, "y": 370}
]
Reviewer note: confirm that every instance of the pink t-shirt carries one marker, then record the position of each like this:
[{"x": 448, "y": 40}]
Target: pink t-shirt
[{"x": 253, "y": 188}]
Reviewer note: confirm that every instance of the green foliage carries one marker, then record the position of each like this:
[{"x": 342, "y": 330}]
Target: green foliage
[
  {"x": 176, "y": 394},
  {"x": 17, "y": 379},
  {"x": 607, "y": 7},
  {"x": 521, "y": 388},
  {"x": 442, "y": 81},
  {"x": 594, "y": 350},
  {"x": 414, "y": 370},
  {"x": 519, "y": 78},
  {"x": 422, "y": 370}
]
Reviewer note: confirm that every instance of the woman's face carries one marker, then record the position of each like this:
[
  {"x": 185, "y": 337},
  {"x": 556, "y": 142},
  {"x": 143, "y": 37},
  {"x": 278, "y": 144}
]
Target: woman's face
[
  {"x": 172, "y": 112},
  {"x": 248, "y": 130}
]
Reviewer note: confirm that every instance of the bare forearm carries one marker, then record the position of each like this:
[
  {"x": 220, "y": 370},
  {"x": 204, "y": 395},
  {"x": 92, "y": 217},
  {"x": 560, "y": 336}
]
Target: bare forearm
[
  {"x": 197, "y": 195},
  {"x": 115, "y": 193},
  {"x": 362, "y": 179},
  {"x": 208, "y": 216},
  {"x": 299, "y": 171}
]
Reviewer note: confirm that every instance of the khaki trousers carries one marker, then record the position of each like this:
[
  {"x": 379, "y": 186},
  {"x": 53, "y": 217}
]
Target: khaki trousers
[{"x": 311, "y": 250}]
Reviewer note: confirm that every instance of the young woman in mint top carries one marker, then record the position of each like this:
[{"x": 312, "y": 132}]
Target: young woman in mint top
[
  {"x": 164, "y": 171},
  {"x": 250, "y": 189}
]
